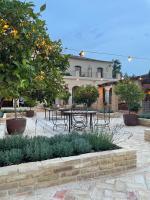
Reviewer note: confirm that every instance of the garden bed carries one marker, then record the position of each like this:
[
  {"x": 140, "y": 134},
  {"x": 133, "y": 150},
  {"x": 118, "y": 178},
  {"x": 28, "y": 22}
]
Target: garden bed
[
  {"x": 9, "y": 113},
  {"x": 70, "y": 157},
  {"x": 147, "y": 135},
  {"x": 30, "y": 176},
  {"x": 144, "y": 122},
  {"x": 19, "y": 149}
]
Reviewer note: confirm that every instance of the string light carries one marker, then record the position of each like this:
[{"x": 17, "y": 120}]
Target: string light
[
  {"x": 129, "y": 58},
  {"x": 82, "y": 54}
]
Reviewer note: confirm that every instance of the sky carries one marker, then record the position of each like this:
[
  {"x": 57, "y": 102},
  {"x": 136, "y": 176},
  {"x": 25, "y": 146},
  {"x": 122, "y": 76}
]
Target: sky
[{"x": 120, "y": 27}]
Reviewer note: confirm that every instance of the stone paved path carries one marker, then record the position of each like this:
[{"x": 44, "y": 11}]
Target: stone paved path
[{"x": 132, "y": 185}]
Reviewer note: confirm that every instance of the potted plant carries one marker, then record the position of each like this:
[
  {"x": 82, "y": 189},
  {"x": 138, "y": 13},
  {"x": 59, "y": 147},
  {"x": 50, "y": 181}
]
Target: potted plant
[
  {"x": 86, "y": 95},
  {"x": 27, "y": 55},
  {"x": 64, "y": 95},
  {"x": 30, "y": 103},
  {"x": 129, "y": 92}
]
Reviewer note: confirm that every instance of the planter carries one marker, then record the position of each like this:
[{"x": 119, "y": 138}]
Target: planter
[
  {"x": 29, "y": 113},
  {"x": 130, "y": 119},
  {"x": 16, "y": 126},
  {"x": 28, "y": 176},
  {"x": 147, "y": 135},
  {"x": 144, "y": 122}
]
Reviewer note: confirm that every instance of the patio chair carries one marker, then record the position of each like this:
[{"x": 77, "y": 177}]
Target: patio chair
[
  {"x": 102, "y": 120},
  {"x": 59, "y": 120},
  {"x": 79, "y": 120}
]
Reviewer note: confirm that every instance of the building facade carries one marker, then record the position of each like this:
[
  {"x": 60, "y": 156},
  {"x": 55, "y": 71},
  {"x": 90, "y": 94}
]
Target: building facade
[{"x": 86, "y": 71}]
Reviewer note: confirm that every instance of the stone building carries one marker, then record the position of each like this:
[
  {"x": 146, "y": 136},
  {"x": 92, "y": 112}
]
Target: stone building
[{"x": 87, "y": 71}]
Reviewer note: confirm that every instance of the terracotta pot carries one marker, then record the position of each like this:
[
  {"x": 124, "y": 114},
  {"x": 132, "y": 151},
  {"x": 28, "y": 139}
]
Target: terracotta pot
[
  {"x": 29, "y": 113},
  {"x": 16, "y": 126},
  {"x": 130, "y": 119}
]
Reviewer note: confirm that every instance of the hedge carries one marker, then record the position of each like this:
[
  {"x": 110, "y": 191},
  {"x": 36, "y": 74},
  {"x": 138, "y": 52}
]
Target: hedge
[{"x": 19, "y": 149}]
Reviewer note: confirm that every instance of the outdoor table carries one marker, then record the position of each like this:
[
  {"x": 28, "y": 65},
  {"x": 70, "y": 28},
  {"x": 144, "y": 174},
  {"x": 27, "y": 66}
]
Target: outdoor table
[
  {"x": 49, "y": 112},
  {"x": 70, "y": 113},
  {"x": 62, "y": 110}
]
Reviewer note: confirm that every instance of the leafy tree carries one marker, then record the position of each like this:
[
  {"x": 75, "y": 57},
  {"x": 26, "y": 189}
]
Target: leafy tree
[
  {"x": 29, "y": 59},
  {"x": 64, "y": 95},
  {"x": 116, "y": 68},
  {"x": 87, "y": 95},
  {"x": 129, "y": 92}
]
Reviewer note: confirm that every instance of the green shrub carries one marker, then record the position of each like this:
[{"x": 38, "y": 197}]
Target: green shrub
[
  {"x": 144, "y": 115},
  {"x": 13, "y": 142},
  {"x": 13, "y": 156},
  {"x": 36, "y": 150},
  {"x": 62, "y": 149},
  {"x": 80, "y": 146},
  {"x": 100, "y": 141},
  {"x": 12, "y": 110},
  {"x": 56, "y": 139},
  {"x": 2, "y": 159},
  {"x": 17, "y": 149},
  {"x": 134, "y": 107}
]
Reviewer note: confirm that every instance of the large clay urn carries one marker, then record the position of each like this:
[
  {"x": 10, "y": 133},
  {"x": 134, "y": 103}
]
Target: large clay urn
[
  {"x": 130, "y": 119},
  {"x": 16, "y": 125},
  {"x": 29, "y": 113}
]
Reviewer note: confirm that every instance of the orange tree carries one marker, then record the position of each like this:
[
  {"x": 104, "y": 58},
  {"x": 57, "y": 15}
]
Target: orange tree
[
  {"x": 129, "y": 92},
  {"x": 86, "y": 94},
  {"x": 29, "y": 60}
]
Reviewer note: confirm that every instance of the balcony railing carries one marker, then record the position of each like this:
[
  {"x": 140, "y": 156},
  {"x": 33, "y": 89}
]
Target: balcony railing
[{"x": 84, "y": 74}]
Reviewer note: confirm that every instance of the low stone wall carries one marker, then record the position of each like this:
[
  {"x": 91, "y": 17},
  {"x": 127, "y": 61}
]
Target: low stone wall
[
  {"x": 11, "y": 115},
  {"x": 27, "y": 177},
  {"x": 3, "y": 119},
  {"x": 144, "y": 122},
  {"x": 147, "y": 135}
]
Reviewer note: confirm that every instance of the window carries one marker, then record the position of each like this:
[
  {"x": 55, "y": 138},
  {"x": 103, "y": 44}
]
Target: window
[
  {"x": 100, "y": 72},
  {"x": 89, "y": 72},
  {"x": 78, "y": 70}
]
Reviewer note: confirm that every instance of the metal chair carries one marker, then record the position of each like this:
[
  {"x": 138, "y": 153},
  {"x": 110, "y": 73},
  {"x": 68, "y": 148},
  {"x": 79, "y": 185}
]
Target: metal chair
[
  {"x": 79, "y": 120},
  {"x": 59, "y": 120},
  {"x": 103, "y": 120}
]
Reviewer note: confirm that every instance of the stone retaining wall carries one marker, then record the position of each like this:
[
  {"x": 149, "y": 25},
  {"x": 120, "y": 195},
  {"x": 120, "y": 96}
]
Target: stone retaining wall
[
  {"x": 25, "y": 178},
  {"x": 11, "y": 115},
  {"x": 147, "y": 135},
  {"x": 144, "y": 122}
]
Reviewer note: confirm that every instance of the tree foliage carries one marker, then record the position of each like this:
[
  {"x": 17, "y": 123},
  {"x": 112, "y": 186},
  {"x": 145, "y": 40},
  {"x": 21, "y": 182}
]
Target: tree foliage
[
  {"x": 64, "y": 95},
  {"x": 29, "y": 59},
  {"x": 87, "y": 95},
  {"x": 116, "y": 68},
  {"x": 129, "y": 92}
]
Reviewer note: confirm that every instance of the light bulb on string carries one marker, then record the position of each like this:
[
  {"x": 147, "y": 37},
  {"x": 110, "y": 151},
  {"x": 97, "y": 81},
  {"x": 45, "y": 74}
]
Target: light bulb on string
[
  {"x": 82, "y": 53},
  {"x": 130, "y": 58}
]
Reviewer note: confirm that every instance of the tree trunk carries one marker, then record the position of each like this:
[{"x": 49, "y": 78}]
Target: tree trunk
[
  {"x": 1, "y": 102},
  {"x": 15, "y": 107}
]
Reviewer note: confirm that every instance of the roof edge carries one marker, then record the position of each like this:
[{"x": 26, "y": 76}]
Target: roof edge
[{"x": 89, "y": 59}]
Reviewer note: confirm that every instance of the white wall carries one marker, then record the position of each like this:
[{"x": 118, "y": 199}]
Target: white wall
[{"x": 85, "y": 64}]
